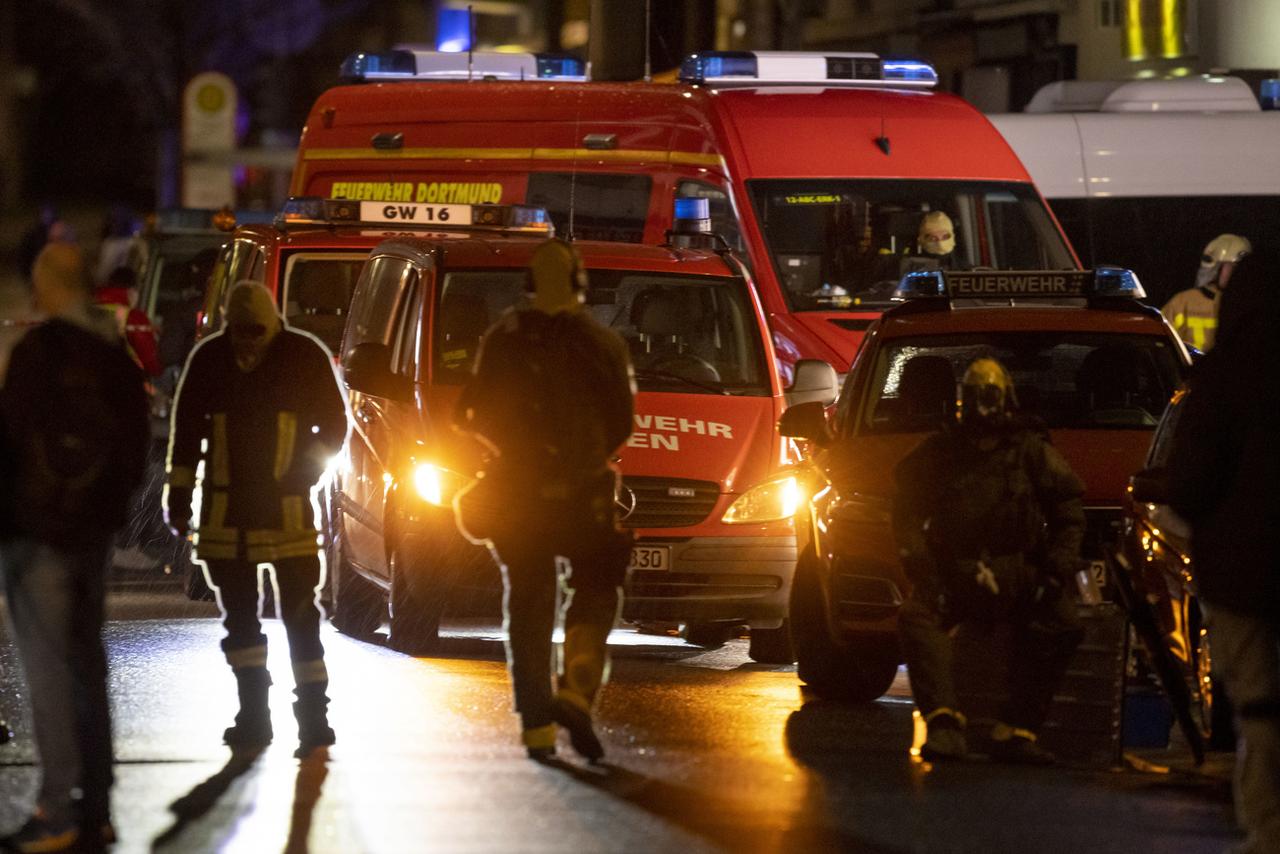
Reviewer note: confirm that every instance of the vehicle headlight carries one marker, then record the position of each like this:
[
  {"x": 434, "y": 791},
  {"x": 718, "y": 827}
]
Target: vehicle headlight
[
  {"x": 436, "y": 485},
  {"x": 772, "y": 501}
]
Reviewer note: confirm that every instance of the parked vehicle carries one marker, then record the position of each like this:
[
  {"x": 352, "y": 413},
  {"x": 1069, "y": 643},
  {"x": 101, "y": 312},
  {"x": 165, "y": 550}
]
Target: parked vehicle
[
  {"x": 705, "y": 480},
  {"x": 1156, "y": 553},
  {"x": 1096, "y": 365},
  {"x": 819, "y": 167},
  {"x": 1144, "y": 173}
]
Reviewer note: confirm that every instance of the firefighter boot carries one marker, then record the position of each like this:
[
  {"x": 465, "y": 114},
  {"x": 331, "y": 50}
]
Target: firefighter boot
[
  {"x": 945, "y": 739},
  {"x": 311, "y": 710},
  {"x": 253, "y": 722},
  {"x": 573, "y": 713},
  {"x": 1017, "y": 746}
]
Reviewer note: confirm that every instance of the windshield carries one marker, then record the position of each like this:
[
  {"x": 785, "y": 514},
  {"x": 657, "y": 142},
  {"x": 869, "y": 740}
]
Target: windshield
[
  {"x": 1071, "y": 380},
  {"x": 693, "y": 335},
  {"x": 317, "y": 293},
  {"x": 844, "y": 245}
]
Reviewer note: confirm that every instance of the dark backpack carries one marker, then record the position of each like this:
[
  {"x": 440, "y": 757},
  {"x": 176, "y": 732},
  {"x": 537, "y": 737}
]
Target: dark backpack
[{"x": 78, "y": 425}]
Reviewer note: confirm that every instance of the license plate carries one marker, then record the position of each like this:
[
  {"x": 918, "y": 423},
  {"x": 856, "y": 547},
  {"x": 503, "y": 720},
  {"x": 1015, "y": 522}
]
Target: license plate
[
  {"x": 650, "y": 557},
  {"x": 1098, "y": 569}
]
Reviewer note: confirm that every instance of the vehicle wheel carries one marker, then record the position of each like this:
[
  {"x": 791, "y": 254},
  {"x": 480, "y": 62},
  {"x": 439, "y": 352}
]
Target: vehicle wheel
[
  {"x": 772, "y": 646},
  {"x": 359, "y": 605},
  {"x": 860, "y": 670},
  {"x": 418, "y": 596},
  {"x": 709, "y": 634},
  {"x": 1212, "y": 706}
]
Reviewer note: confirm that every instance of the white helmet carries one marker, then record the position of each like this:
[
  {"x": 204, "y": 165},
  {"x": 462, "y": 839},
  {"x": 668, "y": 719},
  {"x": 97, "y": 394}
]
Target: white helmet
[{"x": 1223, "y": 249}]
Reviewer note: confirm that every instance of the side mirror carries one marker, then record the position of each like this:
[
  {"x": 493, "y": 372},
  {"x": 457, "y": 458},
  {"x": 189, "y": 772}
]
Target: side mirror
[
  {"x": 815, "y": 380},
  {"x": 368, "y": 371},
  {"x": 806, "y": 421},
  {"x": 1148, "y": 487}
]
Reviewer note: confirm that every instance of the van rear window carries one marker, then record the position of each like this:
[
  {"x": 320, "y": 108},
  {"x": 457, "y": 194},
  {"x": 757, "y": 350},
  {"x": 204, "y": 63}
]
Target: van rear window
[{"x": 605, "y": 206}]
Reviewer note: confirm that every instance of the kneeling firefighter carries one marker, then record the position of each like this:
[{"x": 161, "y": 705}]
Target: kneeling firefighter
[
  {"x": 988, "y": 520},
  {"x": 552, "y": 398},
  {"x": 260, "y": 405}
]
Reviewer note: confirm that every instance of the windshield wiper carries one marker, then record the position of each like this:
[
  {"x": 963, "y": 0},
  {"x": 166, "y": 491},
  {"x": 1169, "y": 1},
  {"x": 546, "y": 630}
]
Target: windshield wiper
[{"x": 650, "y": 374}]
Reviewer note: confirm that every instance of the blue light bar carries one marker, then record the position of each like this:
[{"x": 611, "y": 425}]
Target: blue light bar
[
  {"x": 909, "y": 71},
  {"x": 393, "y": 65},
  {"x": 1117, "y": 282},
  {"x": 799, "y": 68},
  {"x": 560, "y": 67},
  {"x": 920, "y": 284},
  {"x": 1020, "y": 285},
  {"x": 688, "y": 207},
  {"x": 412, "y": 64},
  {"x": 700, "y": 67}
]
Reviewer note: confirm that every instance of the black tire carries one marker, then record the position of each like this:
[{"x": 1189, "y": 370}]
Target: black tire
[
  {"x": 861, "y": 669},
  {"x": 772, "y": 646},
  {"x": 711, "y": 635},
  {"x": 419, "y": 592},
  {"x": 359, "y": 605}
]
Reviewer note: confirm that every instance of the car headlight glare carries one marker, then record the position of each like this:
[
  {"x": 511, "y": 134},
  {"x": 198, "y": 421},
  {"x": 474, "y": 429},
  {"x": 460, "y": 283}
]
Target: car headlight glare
[
  {"x": 436, "y": 485},
  {"x": 771, "y": 501}
]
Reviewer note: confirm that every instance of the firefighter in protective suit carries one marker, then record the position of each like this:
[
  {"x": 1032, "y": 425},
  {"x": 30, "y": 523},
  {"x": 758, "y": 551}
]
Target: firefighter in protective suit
[
  {"x": 264, "y": 404},
  {"x": 552, "y": 398},
  {"x": 1194, "y": 312},
  {"x": 988, "y": 520}
]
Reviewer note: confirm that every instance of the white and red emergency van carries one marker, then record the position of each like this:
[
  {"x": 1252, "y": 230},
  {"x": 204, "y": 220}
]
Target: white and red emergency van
[
  {"x": 818, "y": 166},
  {"x": 706, "y": 485}
]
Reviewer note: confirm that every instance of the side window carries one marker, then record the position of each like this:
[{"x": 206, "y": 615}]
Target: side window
[
  {"x": 373, "y": 307},
  {"x": 605, "y": 207},
  {"x": 212, "y": 321},
  {"x": 1162, "y": 442},
  {"x": 724, "y": 219},
  {"x": 245, "y": 262},
  {"x": 404, "y": 350}
]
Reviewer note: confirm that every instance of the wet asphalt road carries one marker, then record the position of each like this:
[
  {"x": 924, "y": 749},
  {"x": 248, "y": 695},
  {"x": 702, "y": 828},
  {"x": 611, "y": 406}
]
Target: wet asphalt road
[{"x": 707, "y": 752}]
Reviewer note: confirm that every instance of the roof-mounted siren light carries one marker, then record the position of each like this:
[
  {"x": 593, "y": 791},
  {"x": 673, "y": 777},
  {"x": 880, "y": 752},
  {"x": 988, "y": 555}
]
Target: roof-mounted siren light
[
  {"x": 413, "y": 64},
  {"x": 691, "y": 225},
  {"x": 1117, "y": 282},
  {"x": 371, "y": 67},
  {"x": 758, "y": 68},
  {"x": 920, "y": 284},
  {"x": 1269, "y": 93}
]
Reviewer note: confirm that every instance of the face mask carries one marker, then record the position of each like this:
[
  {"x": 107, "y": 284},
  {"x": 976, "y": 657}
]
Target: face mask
[{"x": 938, "y": 242}]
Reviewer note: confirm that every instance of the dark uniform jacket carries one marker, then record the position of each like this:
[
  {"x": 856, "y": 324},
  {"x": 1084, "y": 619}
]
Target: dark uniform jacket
[
  {"x": 1224, "y": 469},
  {"x": 267, "y": 436},
  {"x": 552, "y": 393},
  {"x": 1019, "y": 503}
]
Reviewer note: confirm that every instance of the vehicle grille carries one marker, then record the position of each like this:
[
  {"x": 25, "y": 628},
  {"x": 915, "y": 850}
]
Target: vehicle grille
[
  {"x": 663, "y": 502},
  {"x": 643, "y": 584},
  {"x": 1101, "y": 528}
]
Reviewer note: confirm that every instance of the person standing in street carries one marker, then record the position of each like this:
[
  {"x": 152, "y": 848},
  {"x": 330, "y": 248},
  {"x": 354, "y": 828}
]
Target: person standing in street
[
  {"x": 988, "y": 519},
  {"x": 1194, "y": 312},
  {"x": 1223, "y": 472},
  {"x": 260, "y": 405},
  {"x": 74, "y": 413},
  {"x": 552, "y": 398}
]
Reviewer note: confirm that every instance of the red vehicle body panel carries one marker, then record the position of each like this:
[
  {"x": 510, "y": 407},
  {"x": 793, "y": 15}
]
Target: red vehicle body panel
[{"x": 486, "y": 137}]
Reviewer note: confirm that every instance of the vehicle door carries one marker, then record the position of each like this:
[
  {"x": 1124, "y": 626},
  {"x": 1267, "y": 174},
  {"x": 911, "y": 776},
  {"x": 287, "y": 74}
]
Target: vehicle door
[{"x": 385, "y": 310}]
